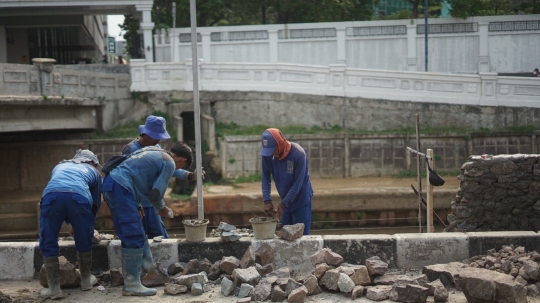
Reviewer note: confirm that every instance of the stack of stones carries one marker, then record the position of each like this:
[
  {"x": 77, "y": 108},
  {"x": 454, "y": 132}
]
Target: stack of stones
[{"x": 497, "y": 193}]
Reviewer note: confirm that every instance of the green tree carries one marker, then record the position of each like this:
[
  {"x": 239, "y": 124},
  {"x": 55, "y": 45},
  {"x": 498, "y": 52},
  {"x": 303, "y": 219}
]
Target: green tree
[
  {"x": 133, "y": 41},
  {"x": 468, "y": 8}
]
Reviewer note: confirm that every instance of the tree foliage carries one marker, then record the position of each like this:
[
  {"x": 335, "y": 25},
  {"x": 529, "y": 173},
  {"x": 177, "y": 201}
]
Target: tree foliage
[
  {"x": 133, "y": 41},
  {"x": 468, "y": 8}
]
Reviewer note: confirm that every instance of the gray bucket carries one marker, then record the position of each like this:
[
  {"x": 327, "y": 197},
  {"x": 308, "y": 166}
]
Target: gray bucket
[
  {"x": 263, "y": 227},
  {"x": 195, "y": 233}
]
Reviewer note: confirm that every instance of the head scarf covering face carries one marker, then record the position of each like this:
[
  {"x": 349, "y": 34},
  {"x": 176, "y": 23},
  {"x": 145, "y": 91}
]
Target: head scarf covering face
[
  {"x": 82, "y": 156},
  {"x": 283, "y": 146}
]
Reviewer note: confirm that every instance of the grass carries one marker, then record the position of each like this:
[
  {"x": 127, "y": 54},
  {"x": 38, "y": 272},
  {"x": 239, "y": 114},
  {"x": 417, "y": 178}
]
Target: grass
[
  {"x": 180, "y": 197},
  {"x": 257, "y": 177},
  {"x": 131, "y": 130},
  {"x": 233, "y": 129},
  {"x": 414, "y": 174}
]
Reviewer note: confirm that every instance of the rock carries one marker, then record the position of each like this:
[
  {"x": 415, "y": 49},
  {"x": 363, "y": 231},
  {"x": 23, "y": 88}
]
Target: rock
[
  {"x": 447, "y": 273},
  {"x": 226, "y": 226},
  {"x": 188, "y": 280},
  {"x": 261, "y": 292},
  {"x": 155, "y": 276},
  {"x": 344, "y": 283},
  {"x": 327, "y": 256},
  {"x": 346, "y": 270},
  {"x": 248, "y": 259},
  {"x": 402, "y": 281},
  {"x": 291, "y": 232},
  {"x": 229, "y": 264},
  {"x": 283, "y": 272},
  {"x": 176, "y": 268},
  {"x": 422, "y": 280},
  {"x": 244, "y": 300},
  {"x": 514, "y": 272},
  {"x": 291, "y": 285},
  {"x": 506, "y": 266},
  {"x": 248, "y": 275},
  {"x": 278, "y": 294},
  {"x": 268, "y": 268},
  {"x": 312, "y": 285},
  {"x": 158, "y": 239},
  {"x": 330, "y": 279},
  {"x": 227, "y": 287},
  {"x": 521, "y": 280},
  {"x": 230, "y": 236},
  {"x": 5, "y": 298},
  {"x": 386, "y": 279},
  {"x": 376, "y": 267},
  {"x": 298, "y": 295},
  {"x": 378, "y": 293},
  {"x": 174, "y": 289},
  {"x": 482, "y": 285},
  {"x": 104, "y": 277},
  {"x": 432, "y": 285},
  {"x": 245, "y": 289},
  {"x": 532, "y": 290},
  {"x": 412, "y": 293},
  {"x": 264, "y": 254},
  {"x": 117, "y": 278},
  {"x": 441, "y": 294},
  {"x": 357, "y": 291},
  {"x": 195, "y": 266},
  {"x": 69, "y": 276},
  {"x": 196, "y": 289},
  {"x": 320, "y": 269},
  {"x": 361, "y": 276},
  {"x": 531, "y": 269},
  {"x": 215, "y": 270}
]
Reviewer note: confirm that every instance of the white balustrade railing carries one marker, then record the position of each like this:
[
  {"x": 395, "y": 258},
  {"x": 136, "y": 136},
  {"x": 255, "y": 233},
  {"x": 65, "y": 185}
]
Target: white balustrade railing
[
  {"x": 502, "y": 44},
  {"x": 338, "y": 80}
]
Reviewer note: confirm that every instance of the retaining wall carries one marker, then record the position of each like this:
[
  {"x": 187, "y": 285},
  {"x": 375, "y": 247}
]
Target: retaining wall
[{"x": 22, "y": 260}]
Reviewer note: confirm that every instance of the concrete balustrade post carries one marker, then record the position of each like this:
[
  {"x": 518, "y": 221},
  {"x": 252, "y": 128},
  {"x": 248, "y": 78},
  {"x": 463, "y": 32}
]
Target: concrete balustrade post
[
  {"x": 179, "y": 125},
  {"x": 341, "y": 47},
  {"x": 206, "y": 52},
  {"x": 412, "y": 59},
  {"x": 483, "y": 55},
  {"x": 273, "y": 40},
  {"x": 147, "y": 26},
  {"x": 489, "y": 89}
]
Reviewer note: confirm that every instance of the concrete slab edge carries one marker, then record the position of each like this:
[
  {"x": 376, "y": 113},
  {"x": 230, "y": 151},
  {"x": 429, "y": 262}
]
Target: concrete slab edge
[{"x": 22, "y": 260}]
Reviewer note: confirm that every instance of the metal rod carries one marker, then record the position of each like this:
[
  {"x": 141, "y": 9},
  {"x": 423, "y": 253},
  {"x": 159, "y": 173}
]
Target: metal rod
[
  {"x": 429, "y": 195},
  {"x": 419, "y": 153},
  {"x": 419, "y": 174},
  {"x": 196, "y": 106},
  {"x": 426, "y": 31},
  {"x": 172, "y": 36}
]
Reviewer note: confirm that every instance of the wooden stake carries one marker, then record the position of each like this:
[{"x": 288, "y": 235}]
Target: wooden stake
[
  {"x": 419, "y": 174},
  {"x": 430, "y": 228}
]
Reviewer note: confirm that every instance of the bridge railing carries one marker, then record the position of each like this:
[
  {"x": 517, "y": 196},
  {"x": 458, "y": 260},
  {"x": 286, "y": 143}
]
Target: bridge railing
[
  {"x": 502, "y": 44},
  {"x": 338, "y": 80}
]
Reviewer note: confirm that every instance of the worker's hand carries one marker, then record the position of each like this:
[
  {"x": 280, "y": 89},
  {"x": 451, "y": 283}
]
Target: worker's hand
[
  {"x": 166, "y": 212},
  {"x": 280, "y": 209},
  {"x": 269, "y": 209},
  {"x": 195, "y": 174},
  {"x": 71, "y": 232},
  {"x": 141, "y": 212}
]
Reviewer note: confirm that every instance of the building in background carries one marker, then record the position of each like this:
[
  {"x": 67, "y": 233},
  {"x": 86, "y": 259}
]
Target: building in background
[{"x": 120, "y": 48}]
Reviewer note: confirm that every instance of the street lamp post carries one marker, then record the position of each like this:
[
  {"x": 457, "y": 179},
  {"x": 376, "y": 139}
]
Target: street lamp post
[
  {"x": 426, "y": 30},
  {"x": 173, "y": 40}
]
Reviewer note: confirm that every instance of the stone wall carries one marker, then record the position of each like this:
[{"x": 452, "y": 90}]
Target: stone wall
[{"x": 498, "y": 194}]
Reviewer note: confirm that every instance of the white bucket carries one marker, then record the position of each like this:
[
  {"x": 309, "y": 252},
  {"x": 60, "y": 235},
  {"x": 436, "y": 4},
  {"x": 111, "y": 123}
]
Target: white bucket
[
  {"x": 263, "y": 228},
  {"x": 195, "y": 233}
]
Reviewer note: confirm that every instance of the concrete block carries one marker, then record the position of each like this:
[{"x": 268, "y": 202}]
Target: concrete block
[
  {"x": 114, "y": 252},
  {"x": 211, "y": 248},
  {"x": 417, "y": 250},
  {"x": 355, "y": 249},
  {"x": 295, "y": 254},
  {"x": 165, "y": 252},
  {"x": 16, "y": 260},
  {"x": 480, "y": 242},
  {"x": 100, "y": 259}
]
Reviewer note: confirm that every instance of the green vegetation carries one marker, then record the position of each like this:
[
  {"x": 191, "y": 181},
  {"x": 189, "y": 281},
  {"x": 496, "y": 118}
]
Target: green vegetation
[
  {"x": 180, "y": 197},
  {"x": 320, "y": 223},
  {"x": 413, "y": 174},
  {"x": 257, "y": 177},
  {"x": 232, "y": 160},
  {"x": 45, "y": 97}
]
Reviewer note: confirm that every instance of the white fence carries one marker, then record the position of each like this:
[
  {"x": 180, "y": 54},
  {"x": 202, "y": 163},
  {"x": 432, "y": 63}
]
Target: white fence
[
  {"x": 338, "y": 80},
  {"x": 479, "y": 44}
]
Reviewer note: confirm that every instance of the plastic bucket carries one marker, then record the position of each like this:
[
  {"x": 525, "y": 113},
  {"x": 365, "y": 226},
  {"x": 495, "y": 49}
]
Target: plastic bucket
[
  {"x": 263, "y": 227},
  {"x": 195, "y": 233}
]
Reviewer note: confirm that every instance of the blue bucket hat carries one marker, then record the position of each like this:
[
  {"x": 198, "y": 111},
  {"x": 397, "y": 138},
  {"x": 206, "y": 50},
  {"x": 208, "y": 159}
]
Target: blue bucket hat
[
  {"x": 155, "y": 128},
  {"x": 269, "y": 144}
]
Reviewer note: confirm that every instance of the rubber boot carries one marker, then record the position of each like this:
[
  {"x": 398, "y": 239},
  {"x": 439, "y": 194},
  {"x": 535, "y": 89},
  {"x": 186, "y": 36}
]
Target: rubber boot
[
  {"x": 85, "y": 265},
  {"x": 147, "y": 259},
  {"x": 52, "y": 268},
  {"x": 131, "y": 268}
]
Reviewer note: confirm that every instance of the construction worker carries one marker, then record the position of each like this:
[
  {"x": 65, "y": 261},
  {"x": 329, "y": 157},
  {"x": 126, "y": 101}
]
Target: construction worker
[
  {"x": 73, "y": 195},
  {"x": 144, "y": 175}
]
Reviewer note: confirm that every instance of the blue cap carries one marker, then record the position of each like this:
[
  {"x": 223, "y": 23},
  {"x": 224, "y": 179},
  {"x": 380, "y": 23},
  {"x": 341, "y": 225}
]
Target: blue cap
[
  {"x": 269, "y": 144},
  {"x": 155, "y": 128}
]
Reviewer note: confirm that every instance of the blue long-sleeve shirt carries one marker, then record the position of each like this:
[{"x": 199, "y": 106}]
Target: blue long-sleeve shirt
[
  {"x": 291, "y": 177},
  {"x": 145, "y": 171},
  {"x": 78, "y": 178},
  {"x": 134, "y": 146}
]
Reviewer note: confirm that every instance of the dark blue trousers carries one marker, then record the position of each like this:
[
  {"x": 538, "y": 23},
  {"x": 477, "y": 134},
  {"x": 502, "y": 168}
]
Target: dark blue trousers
[
  {"x": 152, "y": 223},
  {"x": 57, "y": 207},
  {"x": 299, "y": 215}
]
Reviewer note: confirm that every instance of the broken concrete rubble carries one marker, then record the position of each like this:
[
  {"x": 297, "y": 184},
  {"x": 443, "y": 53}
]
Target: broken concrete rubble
[{"x": 291, "y": 232}]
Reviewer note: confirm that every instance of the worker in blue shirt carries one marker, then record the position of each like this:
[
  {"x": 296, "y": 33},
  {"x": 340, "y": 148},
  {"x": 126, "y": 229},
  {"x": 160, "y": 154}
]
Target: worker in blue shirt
[
  {"x": 286, "y": 163},
  {"x": 73, "y": 195},
  {"x": 151, "y": 133},
  {"x": 144, "y": 175}
]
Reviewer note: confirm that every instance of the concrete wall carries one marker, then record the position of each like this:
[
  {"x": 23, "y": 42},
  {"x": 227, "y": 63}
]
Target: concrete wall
[
  {"x": 477, "y": 44},
  {"x": 500, "y": 193},
  {"x": 22, "y": 260}
]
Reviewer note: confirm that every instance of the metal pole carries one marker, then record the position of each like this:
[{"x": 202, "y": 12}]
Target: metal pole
[
  {"x": 173, "y": 37},
  {"x": 419, "y": 174},
  {"x": 426, "y": 32},
  {"x": 196, "y": 106},
  {"x": 429, "y": 202}
]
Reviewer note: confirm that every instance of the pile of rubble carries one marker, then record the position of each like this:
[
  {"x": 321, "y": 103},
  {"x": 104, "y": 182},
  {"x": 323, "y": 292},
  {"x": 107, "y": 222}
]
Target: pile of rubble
[{"x": 229, "y": 233}]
